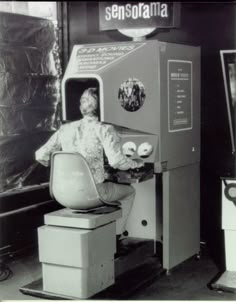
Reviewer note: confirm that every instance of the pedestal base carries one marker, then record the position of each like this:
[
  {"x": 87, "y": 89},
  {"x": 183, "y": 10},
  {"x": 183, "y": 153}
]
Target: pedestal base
[
  {"x": 77, "y": 252},
  {"x": 143, "y": 268},
  {"x": 226, "y": 282},
  {"x": 79, "y": 283}
]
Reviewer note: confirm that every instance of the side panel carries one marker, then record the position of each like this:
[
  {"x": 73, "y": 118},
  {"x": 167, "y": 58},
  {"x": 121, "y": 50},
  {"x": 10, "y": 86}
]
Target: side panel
[
  {"x": 180, "y": 105},
  {"x": 140, "y": 65},
  {"x": 181, "y": 215},
  {"x": 145, "y": 220}
]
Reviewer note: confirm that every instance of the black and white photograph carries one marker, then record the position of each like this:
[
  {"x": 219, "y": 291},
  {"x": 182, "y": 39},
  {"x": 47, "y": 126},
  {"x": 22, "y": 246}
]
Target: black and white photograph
[
  {"x": 117, "y": 150},
  {"x": 131, "y": 94}
]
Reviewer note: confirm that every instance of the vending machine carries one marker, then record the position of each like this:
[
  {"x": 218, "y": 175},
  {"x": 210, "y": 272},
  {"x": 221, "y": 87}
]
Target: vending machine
[{"x": 150, "y": 92}]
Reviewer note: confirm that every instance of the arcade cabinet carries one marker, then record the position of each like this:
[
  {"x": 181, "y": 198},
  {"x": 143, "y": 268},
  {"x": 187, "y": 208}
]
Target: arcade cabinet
[{"x": 150, "y": 92}]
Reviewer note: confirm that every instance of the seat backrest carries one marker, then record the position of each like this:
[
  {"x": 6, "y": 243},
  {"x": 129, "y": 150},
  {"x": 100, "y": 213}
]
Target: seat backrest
[{"x": 72, "y": 183}]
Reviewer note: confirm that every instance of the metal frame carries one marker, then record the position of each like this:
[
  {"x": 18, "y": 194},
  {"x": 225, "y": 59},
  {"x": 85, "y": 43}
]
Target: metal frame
[{"x": 222, "y": 53}]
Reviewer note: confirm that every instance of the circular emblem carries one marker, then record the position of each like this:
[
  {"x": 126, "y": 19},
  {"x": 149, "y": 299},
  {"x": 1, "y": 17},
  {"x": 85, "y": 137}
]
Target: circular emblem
[{"x": 131, "y": 94}]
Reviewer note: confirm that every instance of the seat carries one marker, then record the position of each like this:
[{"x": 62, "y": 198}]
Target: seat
[{"x": 72, "y": 184}]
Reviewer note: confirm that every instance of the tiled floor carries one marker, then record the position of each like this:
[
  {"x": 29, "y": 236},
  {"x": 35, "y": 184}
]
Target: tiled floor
[{"x": 186, "y": 282}]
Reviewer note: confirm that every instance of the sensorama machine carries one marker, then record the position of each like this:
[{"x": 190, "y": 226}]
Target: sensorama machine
[{"x": 150, "y": 92}]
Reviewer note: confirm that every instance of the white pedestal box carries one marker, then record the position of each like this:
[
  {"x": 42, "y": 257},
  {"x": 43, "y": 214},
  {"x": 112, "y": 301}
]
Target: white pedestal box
[
  {"x": 77, "y": 252},
  {"x": 76, "y": 247},
  {"x": 78, "y": 282}
]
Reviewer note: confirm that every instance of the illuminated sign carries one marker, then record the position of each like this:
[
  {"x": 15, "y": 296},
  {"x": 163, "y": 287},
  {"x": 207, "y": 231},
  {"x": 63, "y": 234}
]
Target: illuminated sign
[{"x": 118, "y": 15}]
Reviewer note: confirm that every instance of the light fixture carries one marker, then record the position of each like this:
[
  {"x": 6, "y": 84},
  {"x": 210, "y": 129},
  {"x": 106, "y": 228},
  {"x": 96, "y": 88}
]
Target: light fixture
[{"x": 137, "y": 33}]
